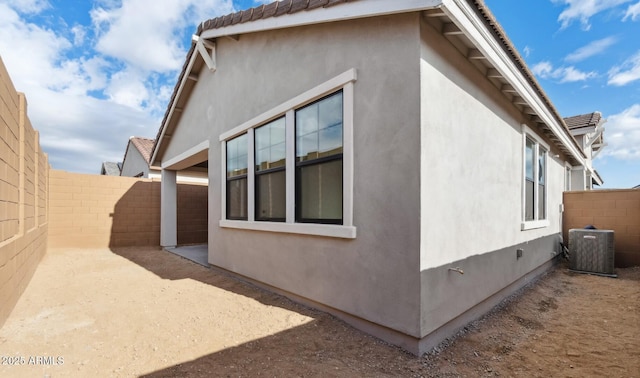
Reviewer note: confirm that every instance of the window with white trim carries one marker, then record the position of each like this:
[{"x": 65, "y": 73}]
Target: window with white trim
[
  {"x": 237, "y": 177},
  {"x": 535, "y": 182},
  {"x": 319, "y": 161},
  {"x": 270, "y": 166},
  {"x": 297, "y": 173}
]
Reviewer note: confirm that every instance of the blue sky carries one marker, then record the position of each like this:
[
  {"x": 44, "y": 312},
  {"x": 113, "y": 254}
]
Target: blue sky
[{"x": 97, "y": 72}]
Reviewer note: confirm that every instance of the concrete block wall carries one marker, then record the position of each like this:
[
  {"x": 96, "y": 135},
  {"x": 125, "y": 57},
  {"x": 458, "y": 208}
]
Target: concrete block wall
[
  {"x": 93, "y": 211},
  {"x": 24, "y": 184},
  {"x": 617, "y": 210},
  {"x": 192, "y": 213}
]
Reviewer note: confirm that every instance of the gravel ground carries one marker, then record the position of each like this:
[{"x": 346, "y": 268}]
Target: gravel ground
[{"x": 146, "y": 312}]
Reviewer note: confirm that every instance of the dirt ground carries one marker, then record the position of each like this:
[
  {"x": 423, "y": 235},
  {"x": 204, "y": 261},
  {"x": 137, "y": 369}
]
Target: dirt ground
[{"x": 145, "y": 312}]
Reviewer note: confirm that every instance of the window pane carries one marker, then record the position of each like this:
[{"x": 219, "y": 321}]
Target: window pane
[
  {"x": 307, "y": 120},
  {"x": 529, "y": 157},
  {"x": 320, "y": 192},
  {"x": 528, "y": 203},
  {"x": 541, "y": 165},
  {"x": 330, "y": 141},
  {"x": 319, "y": 128},
  {"x": 237, "y": 156},
  {"x": 270, "y": 145},
  {"x": 237, "y": 199},
  {"x": 330, "y": 111},
  {"x": 271, "y": 196},
  {"x": 541, "y": 203},
  {"x": 307, "y": 147}
]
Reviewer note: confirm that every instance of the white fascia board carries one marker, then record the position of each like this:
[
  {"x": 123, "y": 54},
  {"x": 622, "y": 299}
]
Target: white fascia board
[
  {"x": 173, "y": 105},
  {"x": 346, "y": 11},
  {"x": 461, "y": 13},
  {"x": 583, "y": 130}
]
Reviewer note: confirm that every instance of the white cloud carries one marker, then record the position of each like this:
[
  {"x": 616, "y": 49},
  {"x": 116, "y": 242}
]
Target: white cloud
[
  {"x": 583, "y": 10},
  {"x": 527, "y": 51},
  {"x": 78, "y": 35},
  {"x": 545, "y": 70},
  {"x": 28, "y": 6},
  {"x": 633, "y": 12},
  {"x": 623, "y": 134},
  {"x": 625, "y": 73},
  {"x": 148, "y": 33},
  {"x": 87, "y": 101},
  {"x": 593, "y": 48}
]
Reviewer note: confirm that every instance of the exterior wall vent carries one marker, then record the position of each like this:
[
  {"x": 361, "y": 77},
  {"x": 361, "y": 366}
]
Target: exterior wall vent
[{"x": 592, "y": 251}]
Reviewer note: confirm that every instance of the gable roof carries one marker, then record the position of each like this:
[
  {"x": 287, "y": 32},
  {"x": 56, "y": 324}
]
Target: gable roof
[
  {"x": 583, "y": 120},
  {"x": 291, "y": 13},
  {"x": 143, "y": 145}
]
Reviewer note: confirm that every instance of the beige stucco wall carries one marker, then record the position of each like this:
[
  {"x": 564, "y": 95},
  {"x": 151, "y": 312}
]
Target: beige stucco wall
[
  {"x": 438, "y": 173},
  {"x": 94, "y": 211},
  {"x": 23, "y": 196},
  {"x": 472, "y": 187},
  {"x": 263, "y": 70}
]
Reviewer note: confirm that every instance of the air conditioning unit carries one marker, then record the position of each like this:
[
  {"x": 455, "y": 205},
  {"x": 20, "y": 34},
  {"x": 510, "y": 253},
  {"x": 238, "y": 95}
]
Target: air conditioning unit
[{"x": 592, "y": 251}]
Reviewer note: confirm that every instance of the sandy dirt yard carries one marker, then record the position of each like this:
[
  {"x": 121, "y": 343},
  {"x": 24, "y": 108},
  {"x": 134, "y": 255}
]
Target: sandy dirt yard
[{"x": 146, "y": 312}]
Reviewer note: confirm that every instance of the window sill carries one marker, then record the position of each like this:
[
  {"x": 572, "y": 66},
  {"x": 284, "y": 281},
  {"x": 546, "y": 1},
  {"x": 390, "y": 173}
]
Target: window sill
[
  {"x": 334, "y": 231},
  {"x": 531, "y": 225}
]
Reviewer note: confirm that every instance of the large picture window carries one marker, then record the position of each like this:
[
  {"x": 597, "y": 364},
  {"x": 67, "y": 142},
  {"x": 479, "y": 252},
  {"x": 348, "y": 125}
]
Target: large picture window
[
  {"x": 290, "y": 169},
  {"x": 535, "y": 182},
  {"x": 319, "y": 161}
]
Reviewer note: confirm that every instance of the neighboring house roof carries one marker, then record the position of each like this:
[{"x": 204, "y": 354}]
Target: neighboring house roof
[
  {"x": 589, "y": 124},
  {"x": 636, "y": 187},
  {"x": 110, "y": 168},
  {"x": 144, "y": 145},
  {"x": 297, "y": 13},
  {"x": 583, "y": 120}
]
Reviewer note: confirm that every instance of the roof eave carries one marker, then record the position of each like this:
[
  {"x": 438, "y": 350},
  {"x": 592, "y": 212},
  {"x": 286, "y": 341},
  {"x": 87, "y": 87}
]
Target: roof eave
[
  {"x": 345, "y": 11},
  {"x": 482, "y": 29}
]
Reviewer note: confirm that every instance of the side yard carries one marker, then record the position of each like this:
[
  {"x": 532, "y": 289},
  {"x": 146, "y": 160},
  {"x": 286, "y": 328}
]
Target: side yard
[{"x": 143, "y": 311}]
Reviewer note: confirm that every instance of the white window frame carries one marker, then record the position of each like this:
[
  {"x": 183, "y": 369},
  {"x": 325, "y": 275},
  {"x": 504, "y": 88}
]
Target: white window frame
[
  {"x": 538, "y": 142},
  {"x": 344, "y": 82},
  {"x": 567, "y": 176}
]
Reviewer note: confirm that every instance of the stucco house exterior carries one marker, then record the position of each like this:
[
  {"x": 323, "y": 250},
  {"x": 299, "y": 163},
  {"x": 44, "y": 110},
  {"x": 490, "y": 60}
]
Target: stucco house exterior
[
  {"x": 136, "y": 163},
  {"x": 392, "y": 162},
  {"x": 588, "y": 131}
]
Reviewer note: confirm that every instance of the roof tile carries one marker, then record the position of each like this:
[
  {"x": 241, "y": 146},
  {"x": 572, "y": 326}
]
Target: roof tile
[
  {"x": 583, "y": 120},
  {"x": 298, "y": 5},
  {"x": 227, "y": 20},
  {"x": 247, "y": 15},
  {"x": 257, "y": 13},
  {"x": 237, "y": 17},
  {"x": 283, "y": 7},
  {"x": 316, "y": 4},
  {"x": 270, "y": 10}
]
